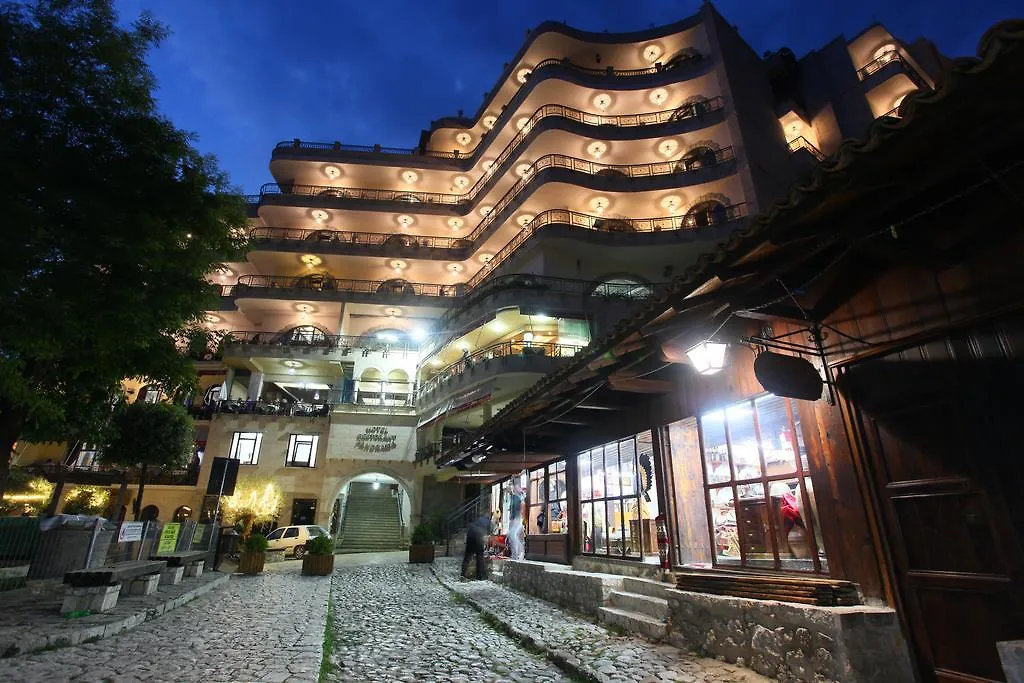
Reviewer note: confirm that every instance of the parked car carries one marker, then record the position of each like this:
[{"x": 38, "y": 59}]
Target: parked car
[{"x": 293, "y": 539}]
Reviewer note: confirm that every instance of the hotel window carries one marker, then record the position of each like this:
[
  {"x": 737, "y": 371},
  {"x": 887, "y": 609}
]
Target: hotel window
[
  {"x": 302, "y": 450},
  {"x": 245, "y": 447},
  {"x": 758, "y": 488},
  {"x": 546, "y": 499},
  {"x": 619, "y": 499}
]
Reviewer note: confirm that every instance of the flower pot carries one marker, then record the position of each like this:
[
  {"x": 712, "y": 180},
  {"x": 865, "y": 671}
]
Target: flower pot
[
  {"x": 421, "y": 554},
  {"x": 317, "y": 565},
  {"x": 250, "y": 563}
]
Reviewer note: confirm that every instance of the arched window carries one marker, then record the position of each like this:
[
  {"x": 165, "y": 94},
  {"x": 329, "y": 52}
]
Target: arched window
[
  {"x": 183, "y": 514},
  {"x": 706, "y": 213},
  {"x": 150, "y": 513},
  {"x": 623, "y": 287},
  {"x": 698, "y": 157},
  {"x": 304, "y": 335}
]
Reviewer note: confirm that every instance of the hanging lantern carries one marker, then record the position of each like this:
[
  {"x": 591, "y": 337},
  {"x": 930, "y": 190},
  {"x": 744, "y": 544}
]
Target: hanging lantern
[{"x": 707, "y": 357}]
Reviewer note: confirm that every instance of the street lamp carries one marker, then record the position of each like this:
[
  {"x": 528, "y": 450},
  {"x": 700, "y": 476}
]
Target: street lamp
[{"x": 707, "y": 357}]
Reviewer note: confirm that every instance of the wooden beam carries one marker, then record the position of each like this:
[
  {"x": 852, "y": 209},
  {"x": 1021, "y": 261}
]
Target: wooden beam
[{"x": 640, "y": 386}]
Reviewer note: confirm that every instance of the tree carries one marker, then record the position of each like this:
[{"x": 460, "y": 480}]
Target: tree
[
  {"x": 257, "y": 500},
  {"x": 149, "y": 436},
  {"x": 111, "y": 221}
]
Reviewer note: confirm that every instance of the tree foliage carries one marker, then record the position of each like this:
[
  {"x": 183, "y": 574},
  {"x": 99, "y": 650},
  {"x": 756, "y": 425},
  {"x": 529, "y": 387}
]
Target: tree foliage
[
  {"x": 112, "y": 221},
  {"x": 256, "y": 500}
]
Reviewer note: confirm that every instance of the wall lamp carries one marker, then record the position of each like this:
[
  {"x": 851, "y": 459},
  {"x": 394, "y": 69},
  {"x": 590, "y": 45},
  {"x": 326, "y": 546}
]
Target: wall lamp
[{"x": 707, "y": 357}]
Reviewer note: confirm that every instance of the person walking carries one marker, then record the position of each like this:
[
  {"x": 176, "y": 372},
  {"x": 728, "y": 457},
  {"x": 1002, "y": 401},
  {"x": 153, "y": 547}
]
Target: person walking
[{"x": 476, "y": 541}]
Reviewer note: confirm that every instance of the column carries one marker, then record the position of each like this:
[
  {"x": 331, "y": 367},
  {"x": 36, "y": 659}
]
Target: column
[
  {"x": 488, "y": 411},
  {"x": 229, "y": 380},
  {"x": 255, "y": 386}
]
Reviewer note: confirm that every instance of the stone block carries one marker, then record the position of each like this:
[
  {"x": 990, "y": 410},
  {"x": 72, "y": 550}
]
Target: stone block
[
  {"x": 171, "y": 576},
  {"x": 94, "y": 599},
  {"x": 145, "y": 585},
  {"x": 1011, "y": 654},
  {"x": 195, "y": 570}
]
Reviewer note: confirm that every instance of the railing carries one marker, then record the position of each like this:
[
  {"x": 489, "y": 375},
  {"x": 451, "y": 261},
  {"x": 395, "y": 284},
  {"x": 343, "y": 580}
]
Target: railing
[
  {"x": 507, "y": 349},
  {"x": 686, "y": 111},
  {"x": 884, "y": 60},
  {"x": 892, "y": 113},
  {"x": 461, "y": 517},
  {"x": 320, "y": 341},
  {"x": 319, "y": 283},
  {"x": 181, "y": 477},
  {"x": 376, "y": 393},
  {"x": 368, "y": 239},
  {"x": 803, "y": 143}
]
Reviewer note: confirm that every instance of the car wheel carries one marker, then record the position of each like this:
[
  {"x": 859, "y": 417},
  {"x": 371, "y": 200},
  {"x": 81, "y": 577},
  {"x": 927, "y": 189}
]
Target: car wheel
[{"x": 300, "y": 550}]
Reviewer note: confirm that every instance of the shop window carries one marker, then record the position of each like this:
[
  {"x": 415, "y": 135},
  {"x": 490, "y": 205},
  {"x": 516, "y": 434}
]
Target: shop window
[
  {"x": 618, "y": 499},
  {"x": 302, "y": 450},
  {"x": 757, "y": 487},
  {"x": 245, "y": 447},
  {"x": 546, "y": 500}
]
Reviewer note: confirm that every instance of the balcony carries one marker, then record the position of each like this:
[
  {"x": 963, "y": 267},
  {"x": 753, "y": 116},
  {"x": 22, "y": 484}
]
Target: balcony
[
  {"x": 885, "y": 66},
  {"x": 689, "y": 116},
  {"x": 802, "y": 143},
  {"x": 248, "y": 344},
  {"x": 358, "y": 395},
  {"x": 102, "y": 475}
]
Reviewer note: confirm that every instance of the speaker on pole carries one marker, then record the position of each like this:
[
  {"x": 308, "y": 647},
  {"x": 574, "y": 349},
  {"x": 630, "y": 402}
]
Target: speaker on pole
[{"x": 223, "y": 476}]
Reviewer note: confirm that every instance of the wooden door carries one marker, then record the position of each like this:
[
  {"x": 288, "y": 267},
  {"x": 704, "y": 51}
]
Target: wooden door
[{"x": 941, "y": 429}]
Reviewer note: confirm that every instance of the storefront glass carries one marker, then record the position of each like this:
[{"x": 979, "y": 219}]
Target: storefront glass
[{"x": 547, "y": 500}]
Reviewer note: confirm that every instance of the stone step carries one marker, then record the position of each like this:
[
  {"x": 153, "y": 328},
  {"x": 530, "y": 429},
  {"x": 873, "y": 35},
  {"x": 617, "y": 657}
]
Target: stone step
[
  {"x": 650, "y": 587},
  {"x": 656, "y": 608},
  {"x": 634, "y": 623}
]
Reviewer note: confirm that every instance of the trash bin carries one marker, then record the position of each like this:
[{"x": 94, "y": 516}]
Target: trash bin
[
  {"x": 227, "y": 544},
  {"x": 67, "y": 542}
]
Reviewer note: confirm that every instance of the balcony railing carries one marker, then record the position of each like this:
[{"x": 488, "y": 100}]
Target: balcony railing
[
  {"x": 697, "y": 109},
  {"x": 372, "y": 393},
  {"x": 332, "y": 342},
  {"x": 803, "y": 143},
  {"x": 183, "y": 477},
  {"x": 384, "y": 240},
  {"x": 506, "y": 349},
  {"x": 884, "y": 60}
]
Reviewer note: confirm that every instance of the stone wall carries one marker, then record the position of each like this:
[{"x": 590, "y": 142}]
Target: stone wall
[
  {"x": 603, "y": 565},
  {"x": 792, "y": 642},
  {"x": 579, "y": 591}
]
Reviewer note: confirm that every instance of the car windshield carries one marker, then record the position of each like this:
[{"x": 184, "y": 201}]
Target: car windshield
[
  {"x": 275, "y": 534},
  {"x": 316, "y": 531}
]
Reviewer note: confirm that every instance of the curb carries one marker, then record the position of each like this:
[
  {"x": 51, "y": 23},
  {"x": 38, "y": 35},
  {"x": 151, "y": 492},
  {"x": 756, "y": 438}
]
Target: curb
[
  {"x": 560, "y": 658},
  {"x": 75, "y": 634}
]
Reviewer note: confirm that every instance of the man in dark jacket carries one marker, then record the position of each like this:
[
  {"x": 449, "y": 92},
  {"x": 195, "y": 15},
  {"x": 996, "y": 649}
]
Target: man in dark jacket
[{"x": 476, "y": 541}]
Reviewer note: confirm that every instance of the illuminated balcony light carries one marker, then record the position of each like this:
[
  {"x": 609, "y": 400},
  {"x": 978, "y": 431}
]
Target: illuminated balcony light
[
  {"x": 319, "y": 215},
  {"x": 305, "y": 309},
  {"x": 397, "y": 265},
  {"x": 707, "y": 357},
  {"x": 489, "y": 121},
  {"x": 487, "y": 165},
  {"x": 652, "y": 51},
  {"x": 463, "y": 138},
  {"x": 528, "y": 336},
  {"x": 672, "y": 203},
  {"x": 292, "y": 363},
  {"x": 521, "y": 122},
  {"x": 461, "y": 182},
  {"x": 602, "y": 101},
  {"x": 456, "y": 223},
  {"x": 524, "y": 170},
  {"x": 599, "y": 204},
  {"x": 405, "y": 220},
  {"x": 668, "y": 147},
  {"x": 658, "y": 96},
  {"x": 409, "y": 176},
  {"x": 455, "y": 268},
  {"x": 311, "y": 260},
  {"x": 523, "y": 74},
  {"x": 211, "y": 318},
  {"x": 597, "y": 149},
  {"x": 485, "y": 210},
  {"x": 525, "y": 219},
  {"x": 485, "y": 258},
  {"x": 332, "y": 172},
  {"x": 392, "y": 312}
]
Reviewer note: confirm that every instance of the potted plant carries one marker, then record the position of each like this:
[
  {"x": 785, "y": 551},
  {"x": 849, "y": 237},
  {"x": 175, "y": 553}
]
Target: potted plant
[
  {"x": 319, "y": 557},
  {"x": 421, "y": 548},
  {"x": 250, "y": 560}
]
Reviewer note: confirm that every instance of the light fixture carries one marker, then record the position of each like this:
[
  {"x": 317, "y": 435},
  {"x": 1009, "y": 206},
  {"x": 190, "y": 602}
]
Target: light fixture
[
  {"x": 521, "y": 122},
  {"x": 211, "y": 318},
  {"x": 597, "y": 149},
  {"x": 376, "y": 485},
  {"x": 292, "y": 363},
  {"x": 388, "y": 337},
  {"x": 188, "y": 236},
  {"x": 463, "y": 138},
  {"x": 418, "y": 333},
  {"x": 528, "y": 336},
  {"x": 305, "y": 309},
  {"x": 671, "y": 203},
  {"x": 707, "y": 357},
  {"x": 485, "y": 258},
  {"x": 311, "y": 260},
  {"x": 523, "y": 170},
  {"x": 599, "y": 204},
  {"x": 223, "y": 271},
  {"x": 658, "y": 96},
  {"x": 489, "y": 121},
  {"x": 397, "y": 265},
  {"x": 456, "y": 223},
  {"x": 652, "y": 51},
  {"x": 461, "y": 182},
  {"x": 525, "y": 219},
  {"x": 405, "y": 220},
  {"x": 487, "y": 165},
  {"x": 291, "y": 371},
  {"x": 435, "y": 361},
  {"x": 498, "y": 326},
  {"x": 392, "y": 312},
  {"x": 523, "y": 74},
  {"x": 455, "y": 267},
  {"x": 410, "y": 176},
  {"x": 485, "y": 210},
  {"x": 542, "y": 317},
  {"x": 316, "y": 395},
  {"x": 668, "y": 147},
  {"x": 602, "y": 101},
  {"x": 462, "y": 346},
  {"x": 319, "y": 215},
  {"x": 332, "y": 172}
]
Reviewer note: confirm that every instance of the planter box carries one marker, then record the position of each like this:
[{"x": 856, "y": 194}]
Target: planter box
[
  {"x": 318, "y": 565},
  {"x": 421, "y": 554},
  {"x": 250, "y": 563}
]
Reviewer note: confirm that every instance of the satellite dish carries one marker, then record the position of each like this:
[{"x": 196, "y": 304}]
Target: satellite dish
[{"x": 788, "y": 376}]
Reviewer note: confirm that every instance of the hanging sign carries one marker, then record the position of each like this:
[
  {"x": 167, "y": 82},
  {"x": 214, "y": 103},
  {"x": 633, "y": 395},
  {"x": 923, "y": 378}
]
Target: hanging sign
[{"x": 130, "y": 532}]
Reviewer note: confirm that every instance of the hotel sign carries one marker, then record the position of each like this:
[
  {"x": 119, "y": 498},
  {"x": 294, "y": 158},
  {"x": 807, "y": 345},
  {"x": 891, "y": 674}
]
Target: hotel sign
[{"x": 376, "y": 440}]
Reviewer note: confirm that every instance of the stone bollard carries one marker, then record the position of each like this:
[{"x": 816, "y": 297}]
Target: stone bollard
[
  {"x": 171, "y": 576},
  {"x": 93, "y": 598},
  {"x": 195, "y": 570}
]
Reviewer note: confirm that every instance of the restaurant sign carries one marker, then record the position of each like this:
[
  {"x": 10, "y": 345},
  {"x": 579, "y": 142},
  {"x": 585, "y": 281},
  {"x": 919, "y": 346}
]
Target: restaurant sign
[{"x": 376, "y": 440}]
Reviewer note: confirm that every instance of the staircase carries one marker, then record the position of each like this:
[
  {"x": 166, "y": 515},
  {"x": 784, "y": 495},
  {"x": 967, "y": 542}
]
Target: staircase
[
  {"x": 372, "y": 520},
  {"x": 640, "y": 607}
]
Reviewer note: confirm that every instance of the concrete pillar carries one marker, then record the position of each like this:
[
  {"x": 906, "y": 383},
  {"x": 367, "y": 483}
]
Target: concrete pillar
[
  {"x": 229, "y": 380},
  {"x": 339, "y": 327},
  {"x": 488, "y": 411},
  {"x": 255, "y": 386}
]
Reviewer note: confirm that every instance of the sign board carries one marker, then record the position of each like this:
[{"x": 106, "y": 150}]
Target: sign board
[
  {"x": 130, "y": 532},
  {"x": 376, "y": 440},
  {"x": 223, "y": 476},
  {"x": 197, "y": 537},
  {"x": 168, "y": 538}
]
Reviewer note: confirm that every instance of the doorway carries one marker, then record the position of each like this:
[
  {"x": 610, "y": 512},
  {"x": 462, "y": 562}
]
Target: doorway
[
  {"x": 303, "y": 511},
  {"x": 943, "y": 443}
]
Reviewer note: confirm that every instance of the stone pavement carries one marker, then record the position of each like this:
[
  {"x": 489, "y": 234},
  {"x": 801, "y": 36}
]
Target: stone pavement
[
  {"x": 268, "y": 627},
  {"x": 584, "y": 648},
  {"x": 397, "y": 623}
]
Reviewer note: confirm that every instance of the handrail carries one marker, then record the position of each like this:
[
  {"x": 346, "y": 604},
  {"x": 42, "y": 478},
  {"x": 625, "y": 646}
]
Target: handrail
[
  {"x": 885, "y": 59},
  {"x": 688, "y": 110},
  {"x": 894, "y": 113},
  {"x": 464, "y": 515},
  {"x": 370, "y": 239},
  {"x": 505, "y": 349},
  {"x": 320, "y": 341},
  {"x": 456, "y": 154},
  {"x": 803, "y": 143}
]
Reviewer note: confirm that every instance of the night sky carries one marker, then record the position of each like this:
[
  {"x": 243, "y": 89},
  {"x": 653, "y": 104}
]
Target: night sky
[{"x": 245, "y": 74}]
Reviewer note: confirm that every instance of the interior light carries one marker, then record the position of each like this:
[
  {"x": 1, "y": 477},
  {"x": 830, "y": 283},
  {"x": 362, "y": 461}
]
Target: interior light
[
  {"x": 542, "y": 316},
  {"x": 489, "y": 121},
  {"x": 418, "y": 333},
  {"x": 528, "y": 336},
  {"x": 316, "y": 395},
  {"x": 376, "y": 484},
  {"x": 389, "y": 337},
  {"x": 291, "y": 371},
  {"x": 707, "y": 357},
  {"x": 463, "y": 138}
]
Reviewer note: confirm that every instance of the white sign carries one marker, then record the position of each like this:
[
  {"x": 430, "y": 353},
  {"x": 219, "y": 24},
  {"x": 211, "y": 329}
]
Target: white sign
[{"x": 130, "y": 532}]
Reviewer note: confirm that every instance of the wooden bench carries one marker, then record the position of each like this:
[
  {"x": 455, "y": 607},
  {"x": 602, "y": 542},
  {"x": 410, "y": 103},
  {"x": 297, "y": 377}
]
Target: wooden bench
[
  {"x": 188, "y": 563},
  {"x": 97, "y": 589}
]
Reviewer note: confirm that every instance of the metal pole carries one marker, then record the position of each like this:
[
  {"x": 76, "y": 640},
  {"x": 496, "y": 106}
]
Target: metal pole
[
  {"x": 142, "y": 541},
  {"x": 92, "y": 543},
  {"x": 223, "y": 478}
]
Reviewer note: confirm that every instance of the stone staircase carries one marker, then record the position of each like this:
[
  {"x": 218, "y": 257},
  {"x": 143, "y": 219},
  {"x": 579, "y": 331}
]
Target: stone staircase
[
  {"x": 640, "y": 607},
  {"x": 371, "y": 523}
]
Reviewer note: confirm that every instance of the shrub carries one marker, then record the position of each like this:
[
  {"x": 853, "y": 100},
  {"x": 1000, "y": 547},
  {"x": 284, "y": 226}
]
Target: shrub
[
  {"x": 321, "y": 545},
  {"x": 422, "y": 534},
  {"x": 257, "y": 543}
]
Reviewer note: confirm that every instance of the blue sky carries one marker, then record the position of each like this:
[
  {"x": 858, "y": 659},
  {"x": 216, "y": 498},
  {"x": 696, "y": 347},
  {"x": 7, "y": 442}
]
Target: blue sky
[{"x": 243, "y": 75}]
